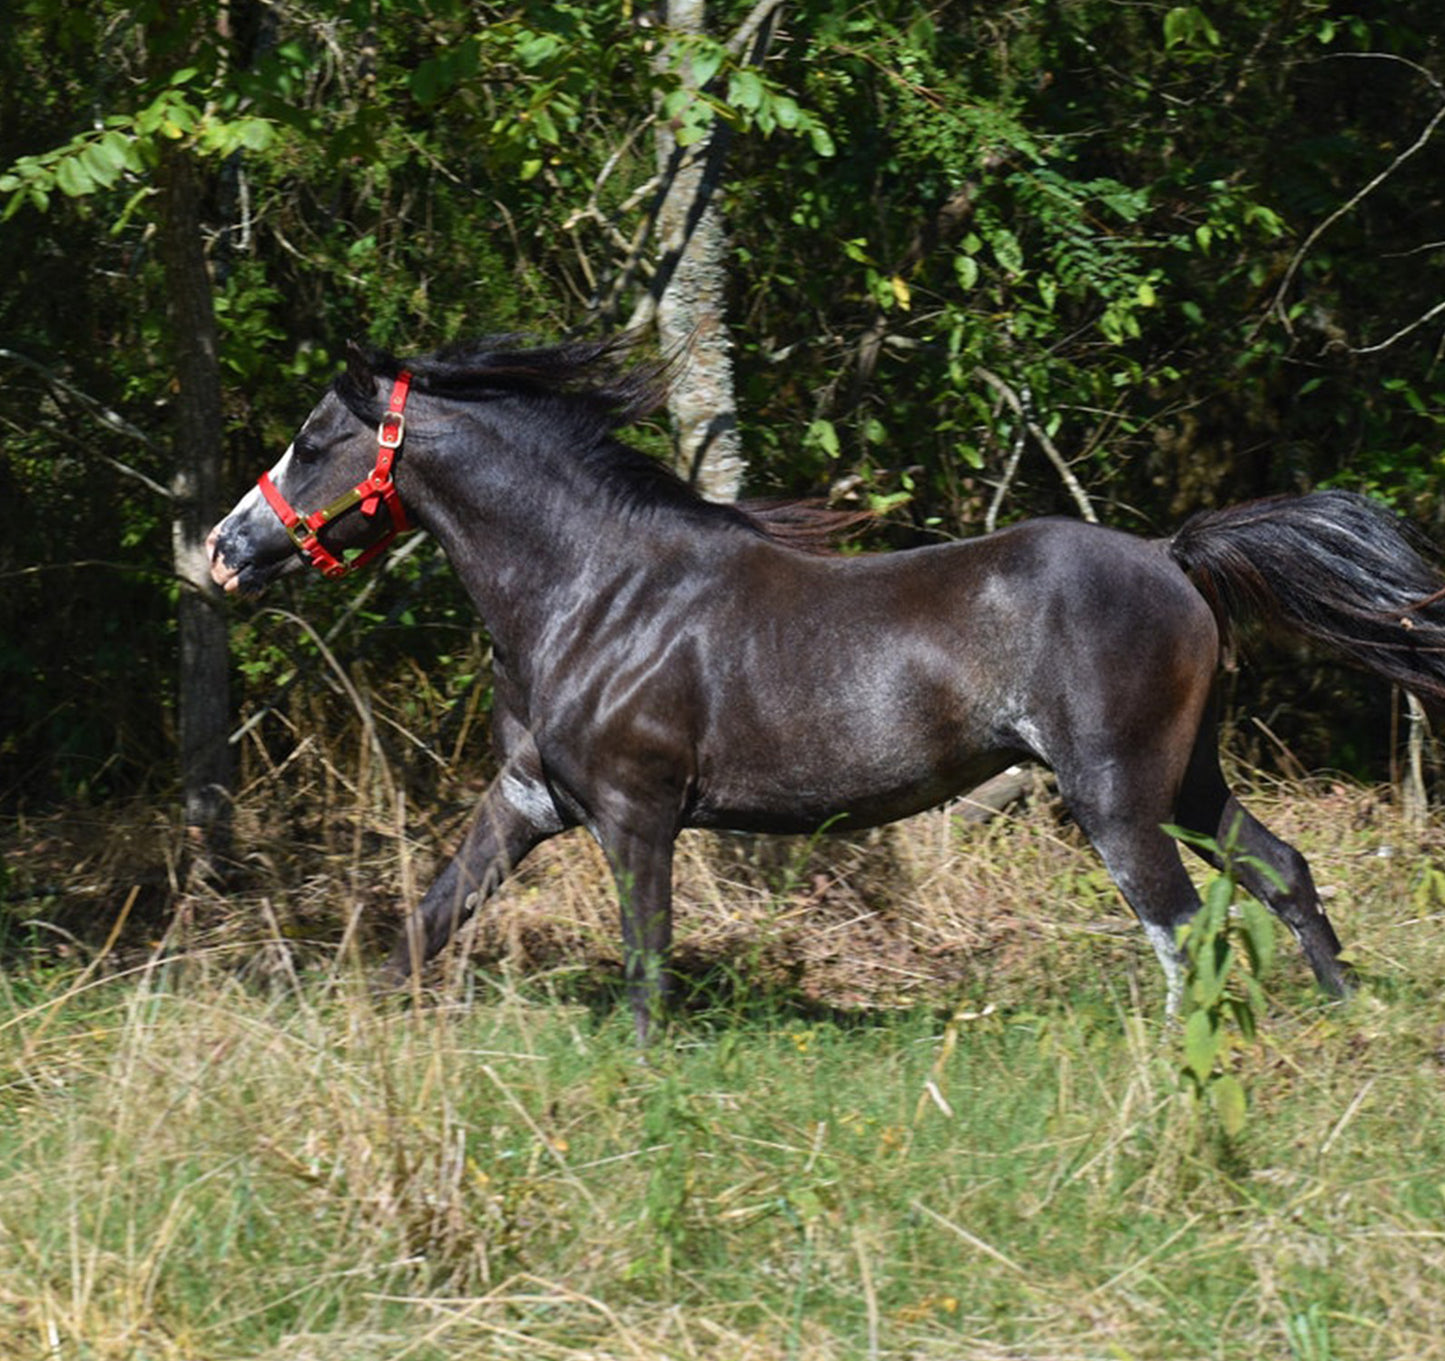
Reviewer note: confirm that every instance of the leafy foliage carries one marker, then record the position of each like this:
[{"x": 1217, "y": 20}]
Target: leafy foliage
[
  {"x": 1229, "y": 946},
  {"x": 971, "y": 246}
]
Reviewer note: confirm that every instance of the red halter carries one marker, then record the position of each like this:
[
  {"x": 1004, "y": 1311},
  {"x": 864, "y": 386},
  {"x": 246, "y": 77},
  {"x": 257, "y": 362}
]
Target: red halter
[{"x": 368, "y": 494}]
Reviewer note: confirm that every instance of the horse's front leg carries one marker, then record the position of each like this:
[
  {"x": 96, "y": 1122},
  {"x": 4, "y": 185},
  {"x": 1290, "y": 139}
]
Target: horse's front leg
[
  {"x": 642, "y": 867},
  {"x": 516, "y": 813}
]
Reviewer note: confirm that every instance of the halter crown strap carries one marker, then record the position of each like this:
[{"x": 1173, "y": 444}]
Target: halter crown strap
[{"x": 369, "y": 494}]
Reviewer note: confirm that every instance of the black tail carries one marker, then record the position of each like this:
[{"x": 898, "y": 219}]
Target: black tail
[{"x": 1335, "y": 567}]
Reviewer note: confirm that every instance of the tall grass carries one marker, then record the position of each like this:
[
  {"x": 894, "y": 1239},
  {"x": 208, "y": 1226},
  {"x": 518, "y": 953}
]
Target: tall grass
[{"x": 941, "y": 1121}]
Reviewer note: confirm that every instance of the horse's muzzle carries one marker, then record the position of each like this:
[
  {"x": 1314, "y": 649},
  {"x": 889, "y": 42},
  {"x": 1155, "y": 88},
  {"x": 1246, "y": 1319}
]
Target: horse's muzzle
[{"x": 225, "y": 576}]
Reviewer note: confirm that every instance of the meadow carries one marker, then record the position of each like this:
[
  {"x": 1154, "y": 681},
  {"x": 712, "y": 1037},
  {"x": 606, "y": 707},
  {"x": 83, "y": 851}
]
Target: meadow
[{"x": 922, "y": 1103}]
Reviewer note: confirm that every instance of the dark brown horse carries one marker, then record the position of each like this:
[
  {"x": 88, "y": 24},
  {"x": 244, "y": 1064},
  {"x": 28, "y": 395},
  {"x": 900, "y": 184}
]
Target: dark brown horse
[{"x": 663, "y": 662}]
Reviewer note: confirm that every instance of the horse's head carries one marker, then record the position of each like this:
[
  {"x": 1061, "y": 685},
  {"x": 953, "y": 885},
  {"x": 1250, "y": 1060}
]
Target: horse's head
[{"x": 330, "y": 499}]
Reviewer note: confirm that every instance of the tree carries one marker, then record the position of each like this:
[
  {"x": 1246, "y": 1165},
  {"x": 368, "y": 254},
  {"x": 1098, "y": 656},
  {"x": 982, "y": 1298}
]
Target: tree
[
  {"x": 688, "y": 294},
  {"x": 204, "y": 709},
  {"x": 166, "y": 141}
]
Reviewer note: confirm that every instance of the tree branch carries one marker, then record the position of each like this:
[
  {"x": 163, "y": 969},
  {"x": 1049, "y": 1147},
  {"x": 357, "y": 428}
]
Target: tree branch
[
  {"x": 1277, "y": 304},
  {"x": 761, "y": 13},
  {"x": 1401, "y": 333},
  {"x": 1010, "y": 470},
  {"x": 1061, "y": 464},
  {"x": 101, "y": 413}
]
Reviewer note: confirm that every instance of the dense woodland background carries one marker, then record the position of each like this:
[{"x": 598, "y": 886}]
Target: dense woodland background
[{"x": 979, "y": 262}]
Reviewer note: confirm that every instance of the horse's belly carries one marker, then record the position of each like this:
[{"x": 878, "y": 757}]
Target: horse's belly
[{"x": 807, "y": 792}]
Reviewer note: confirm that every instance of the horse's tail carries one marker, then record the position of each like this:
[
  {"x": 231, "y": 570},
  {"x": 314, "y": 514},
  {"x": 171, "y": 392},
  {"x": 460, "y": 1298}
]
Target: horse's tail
[{"x": 1335, "y": 567}]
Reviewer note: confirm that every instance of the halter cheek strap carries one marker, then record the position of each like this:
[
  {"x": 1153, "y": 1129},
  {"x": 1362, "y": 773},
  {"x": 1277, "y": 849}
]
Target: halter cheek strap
[{"x": 370, "y": 494}]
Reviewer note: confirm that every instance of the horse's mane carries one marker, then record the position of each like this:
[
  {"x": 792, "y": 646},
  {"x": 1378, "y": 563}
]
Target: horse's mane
[{"x": 585, "y": 391}]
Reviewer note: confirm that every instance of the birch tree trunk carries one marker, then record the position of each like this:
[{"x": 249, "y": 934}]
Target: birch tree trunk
[{"x": 689, "y": 294}]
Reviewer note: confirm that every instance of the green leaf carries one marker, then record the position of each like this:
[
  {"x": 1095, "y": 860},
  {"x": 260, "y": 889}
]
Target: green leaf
[
  {"x": 883, "y": 503},
  {"x": 675, "y": 101},
  {"x": 787, "y": 112},
  {"x": 821, "y": 139},
  {"x": 257, "y": 134},
  {"x": 1259, "y": 937},
  {"x": 823, "y": 434},
  {"x": 1187, "y": 26},
  {"x": 1207, "y": 986},
  {"x": 1218, "y": 895},
  {"x": 707, "y": 62},
  {"x": 537, "y": 48},
  {"x": 72, "y": 179},
  {"x": 745, "y": 90},
  {"x": 546, "y": 128},
  {"x": 115, "y": 149},
  {"x": 1007, "y": 251},
  {"x": 1230, "y": 1105},
  {"x": 425, "y": 82},
  {"x": 1201, "y": 1045},
  {"x": 102, "y": 171}
]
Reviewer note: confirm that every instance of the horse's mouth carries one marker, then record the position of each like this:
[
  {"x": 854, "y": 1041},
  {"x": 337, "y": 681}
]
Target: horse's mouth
[
  {"x": 225, "y": 576},
  {"x": 250, "y": 577}
]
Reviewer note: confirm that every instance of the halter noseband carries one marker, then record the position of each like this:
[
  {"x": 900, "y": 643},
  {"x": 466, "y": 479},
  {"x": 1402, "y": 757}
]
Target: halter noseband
[{"x": 369, "y": 494}]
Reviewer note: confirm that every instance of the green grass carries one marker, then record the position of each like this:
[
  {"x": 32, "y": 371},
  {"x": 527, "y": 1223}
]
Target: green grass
[{"x": 197, "y": 1166}]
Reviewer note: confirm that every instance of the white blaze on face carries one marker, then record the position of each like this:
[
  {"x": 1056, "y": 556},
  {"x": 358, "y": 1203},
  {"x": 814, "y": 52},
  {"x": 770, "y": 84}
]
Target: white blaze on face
[{"x": 252, "y": 503}]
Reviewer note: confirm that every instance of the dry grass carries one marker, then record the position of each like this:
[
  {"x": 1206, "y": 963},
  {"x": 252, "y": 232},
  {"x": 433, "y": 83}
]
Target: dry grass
[{"x": 925, "y": 1107}]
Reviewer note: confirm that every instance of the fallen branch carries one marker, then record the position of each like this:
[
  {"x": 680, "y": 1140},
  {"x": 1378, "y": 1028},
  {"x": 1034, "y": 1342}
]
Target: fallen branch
[{"x": 994, "y": 796}]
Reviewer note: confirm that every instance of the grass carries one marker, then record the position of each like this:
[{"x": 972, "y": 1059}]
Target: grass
[{"x": 924, "y": 1107}]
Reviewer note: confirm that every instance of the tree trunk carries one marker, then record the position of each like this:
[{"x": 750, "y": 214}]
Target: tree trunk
[
  {"x": 689, "y": 296},
  {"x": 204, "y": 708}
]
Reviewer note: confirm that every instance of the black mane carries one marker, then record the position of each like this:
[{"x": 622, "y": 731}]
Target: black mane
[
  {"x": 582, "y": 393},
  {"x": 591, "y": 374}
]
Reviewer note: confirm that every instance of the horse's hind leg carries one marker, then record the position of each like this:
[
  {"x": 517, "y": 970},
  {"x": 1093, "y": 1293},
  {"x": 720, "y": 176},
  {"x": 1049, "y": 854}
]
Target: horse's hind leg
[
  {"x": 1265, "y": 866},
  {"x": 1122, "y": 783},
  {"x": 516, "y": 813},
  {"x": 1125, "y": 826}
]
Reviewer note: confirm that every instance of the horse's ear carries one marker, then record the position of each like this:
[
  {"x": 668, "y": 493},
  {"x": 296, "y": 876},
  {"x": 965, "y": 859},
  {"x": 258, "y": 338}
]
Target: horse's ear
[{"x": 359, "y": 372}]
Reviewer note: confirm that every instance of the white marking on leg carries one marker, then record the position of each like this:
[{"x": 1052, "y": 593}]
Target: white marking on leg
[{"x": 1167, "y": 949}]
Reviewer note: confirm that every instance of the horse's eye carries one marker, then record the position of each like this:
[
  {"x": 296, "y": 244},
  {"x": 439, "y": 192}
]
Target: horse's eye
[{"x": 306, "y": 451}]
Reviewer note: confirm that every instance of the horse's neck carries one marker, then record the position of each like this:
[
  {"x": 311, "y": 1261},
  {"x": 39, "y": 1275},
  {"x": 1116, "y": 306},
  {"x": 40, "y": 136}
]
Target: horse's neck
[{"x": 530, "y": 551}]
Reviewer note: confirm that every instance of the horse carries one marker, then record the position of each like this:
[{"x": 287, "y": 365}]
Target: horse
[{"x": 662, "y": 661}]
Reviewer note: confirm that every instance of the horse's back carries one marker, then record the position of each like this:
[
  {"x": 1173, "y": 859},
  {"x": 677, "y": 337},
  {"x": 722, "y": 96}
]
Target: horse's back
[
  {"x": 1051, "y": 580},
  {"x": 892, "y": 681}
]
